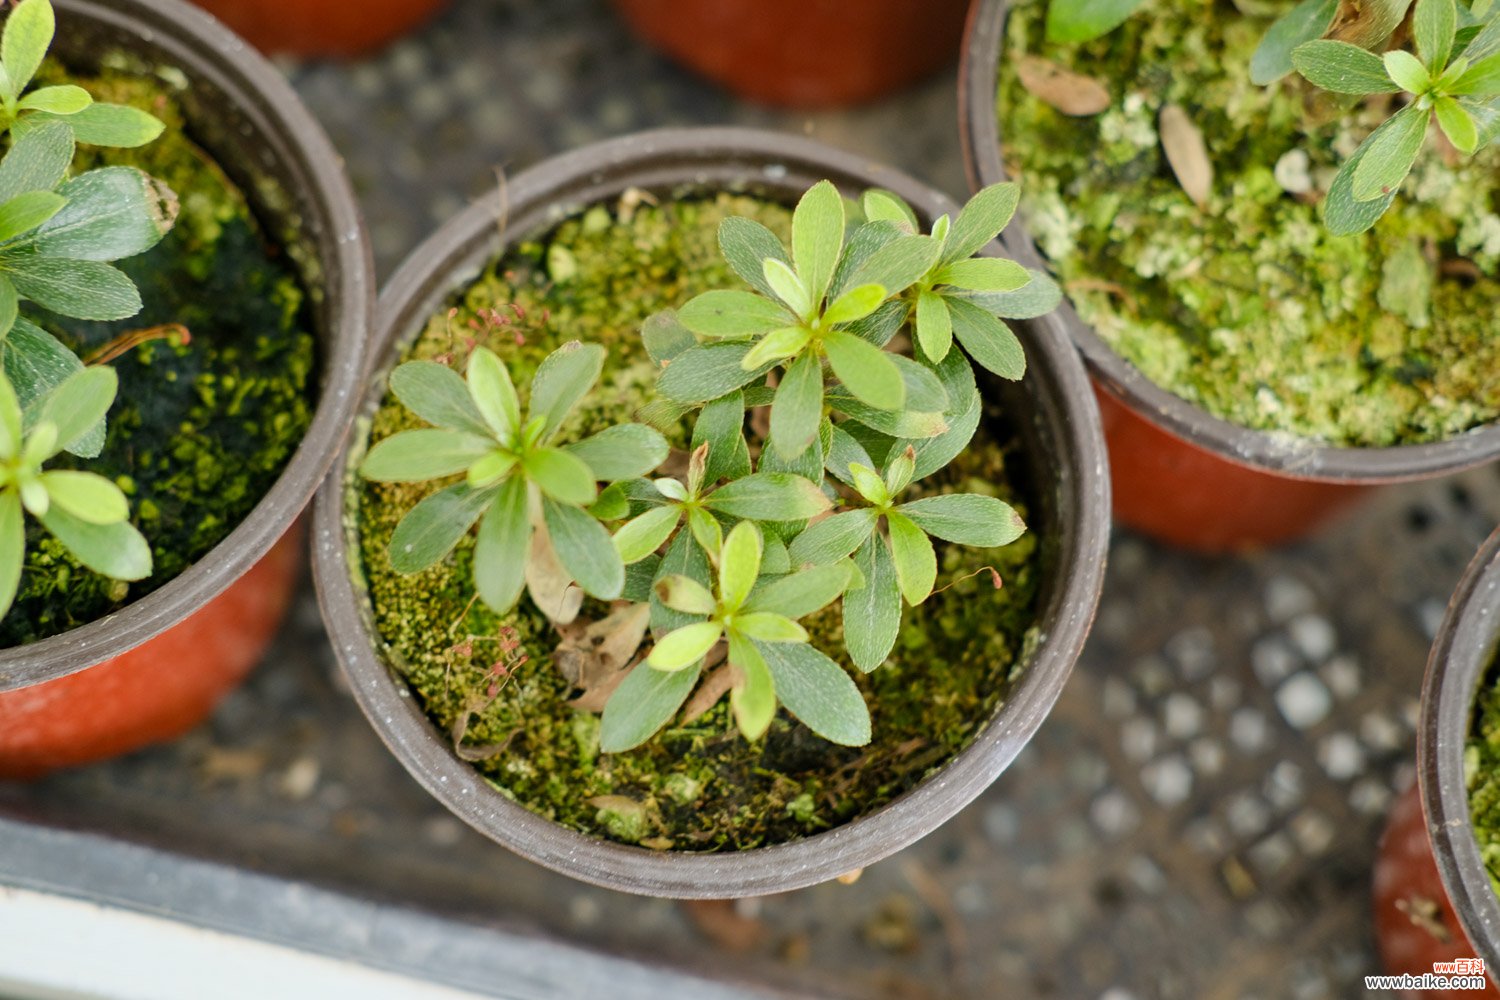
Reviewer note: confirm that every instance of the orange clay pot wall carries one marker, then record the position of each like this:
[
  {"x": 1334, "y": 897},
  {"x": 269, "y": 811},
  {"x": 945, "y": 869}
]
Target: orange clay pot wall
[
  {"x": 321, "y": 27},
  {"x": 156, "y": 691},
  {"x": 804, "y": 53}
]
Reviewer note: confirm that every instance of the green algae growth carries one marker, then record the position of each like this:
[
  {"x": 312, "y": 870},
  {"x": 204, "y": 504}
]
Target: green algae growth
[
  {"x": 199, "y": 431},
  {"x": 698, "y": 786},
  {"x": 1249, "y": 308}
]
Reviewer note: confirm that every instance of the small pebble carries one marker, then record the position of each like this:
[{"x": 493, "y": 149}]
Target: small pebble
[
  {"x": 1341, "y": 756},
  {"x": 1272, "y": 659},
  {"x": 1304, "y": 701},
  {"x": 1192, "y": 650},
  {"x": 1183, "y": 716},
  {"x": 1286, "y": 596},
  {"x": 1169, "y": 780},
  {"x": 1247, "y": 730},
  {"x": 1314, "y": 636}
]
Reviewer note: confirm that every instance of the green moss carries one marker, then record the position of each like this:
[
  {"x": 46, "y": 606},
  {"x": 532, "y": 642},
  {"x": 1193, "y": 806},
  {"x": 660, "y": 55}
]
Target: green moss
[
  {"x": 1250, "y": 308},
  {"x": 199, "y": 431},
  {"x": 1482, "y": 774},
  {"x": 698, "y": 786}
]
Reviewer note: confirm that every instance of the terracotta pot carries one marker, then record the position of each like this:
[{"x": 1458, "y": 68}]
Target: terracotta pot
[
  {"x": 1051, "y": 414},
  {"x": 1182, "y": 475},
  {"x": 1432, "y": 893},
  {"x": 321, "y": 27},
  {"x": 803, "y": 53},
  {"x": 173, "y": 652}
]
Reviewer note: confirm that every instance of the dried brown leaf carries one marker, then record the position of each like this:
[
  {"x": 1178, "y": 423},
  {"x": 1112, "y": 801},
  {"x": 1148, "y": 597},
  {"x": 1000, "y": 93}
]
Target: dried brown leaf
[
  {"x": 1187, "y": 153},
  {"x": 594, "y": 656},
  {"x": 715, "y": 685},
  {"x": 552, "y": 589},
  {"x": 1071, "y": 93}
]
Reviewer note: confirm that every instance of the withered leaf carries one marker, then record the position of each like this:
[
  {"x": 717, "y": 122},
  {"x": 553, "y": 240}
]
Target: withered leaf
[
  {"x": 594, "y": 656},
  {"x": 1187, "y": 153},
  {"x": 552, "y": 589},
  {"x": 1071, "y": 93},
  {"x": 715, "y": 685}
]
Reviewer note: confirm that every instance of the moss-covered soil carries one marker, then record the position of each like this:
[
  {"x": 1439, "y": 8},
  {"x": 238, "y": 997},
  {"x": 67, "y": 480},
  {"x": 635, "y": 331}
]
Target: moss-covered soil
[
  {"x": 1248, "y": 307},
  {"x": 1482, "y": 773},
  {"x": 700, "y": 786},
  {"x": 199, "y": 431}
]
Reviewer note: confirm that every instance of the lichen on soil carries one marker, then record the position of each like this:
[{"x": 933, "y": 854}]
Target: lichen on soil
[
  {"x": 199, "y": 431},
  {"x": 698, "y": 786},
  {"x": 1249, "y": 307}
]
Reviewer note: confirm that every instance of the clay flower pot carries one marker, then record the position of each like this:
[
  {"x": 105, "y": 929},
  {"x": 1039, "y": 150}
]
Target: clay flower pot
[
  {"x": 1432, "y": 894},
  {"x": 1180, "y": 474},
  {"x": 322, "y": 27},
  {"x": 803, "y": 53},
  {"x": 1060, "y": 447},
  {"x": 157, "y": 667}
]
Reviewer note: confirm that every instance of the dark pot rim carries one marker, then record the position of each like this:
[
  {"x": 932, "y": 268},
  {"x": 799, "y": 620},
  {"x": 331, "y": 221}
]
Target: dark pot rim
[
  {"x": 1461, "y": 658},
  {"x": 1065, "y": 411},
  {"x": 1281, "y": 454},
  {"x": 322, "y": 203}
]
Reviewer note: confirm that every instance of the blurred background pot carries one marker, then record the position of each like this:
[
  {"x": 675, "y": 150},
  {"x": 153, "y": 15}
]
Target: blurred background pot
[
  {"x": 803, "y": 53},
  {"x": 158, "y": 666},
  {"x": 322, "y": 27},
  {"x": 1051, "y": 414},
  {"x": 1180, "y": 474}
]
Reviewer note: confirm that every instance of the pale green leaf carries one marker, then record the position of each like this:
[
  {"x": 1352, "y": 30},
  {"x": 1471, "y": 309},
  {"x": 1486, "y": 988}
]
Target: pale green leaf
[
  {"x": 562, "y": 476},
  {"x": 884, "y": 206},
  {"x": 645, "y": 701},
  {"x": 1407, "y": 70},
  {"x": 86, "y": 496},
  {"x": 832, "y": 538},
  {"x": 934, "y": 325},
  {"x": 114, "y": 125},
  {"x": 643, "y": 535},
  {"x": 914, "y": 558},
  {"x": 752, "y": 700},
  {"x": 38, "y": 160},
  {"x": 788, "y": 287},
  {"x": 12, "y": 547},
  {"x": 502, "y": 546},
  {"x": 989, "y": 341},
  {"x": 1435, "y": 24},
  {"x": 746, "y": 245},
  {"x": 818, "y": 692},
  {"x": 562, "y": 380},
  {"x": 1482, "y": 79},
  {"x": 62, "y": 99},
  {"x": 1457, "y": 125},
  {"x": 1037, "y": 297},
  {"x": 1074, "y": 21},
  {"x": 418, "y": 455},
  {"x": 1391, "y": 151},
  {"x": 82, "y": 289},
  {"x": 1342, "y": 68},
  {"x": 28, "y": 34},
  {"x": 438, "y": 395},
  {"x": 494, "y": 394},
  {"x": 899, "y": 263},
  {"x": 683, "y": 593},
  {"x": 865, "y": 370},
  {"x": 116, "y": 550},
  {"x": 869, "y": 484},
  {"x": 966, "y": 519},
  {"x": 729, "y": 313},
  {"x": 739, "y": 564},
  {"x": 767, "y": 626},
  {"x": 804, "y": 592},
  {"x": 489, "y": 468},
  {"x": 12, "y": 430},
  {"x": 818, "y": 237},
  {"x": 624, "y": 451},
  {"x": 36, "y": 363},
  {"x": 10, "y": 306},
  {"x": 778, "y": 345},
  {"x": 798, "y": 406},
  {"x": 855, "y": 304},
  {"x": 984, "y": 274},
  {"x": 706, "y": 530},
  {"x": 77, "y": 406},
  {"x": 769, "y": 496},
  {"x": 429, "y": 530},
  {"x": 584, "y": 549},
  {"x": 982, "y": 219},
  {"x": 685, "y": 647},
  {"x": 26, "y": 211},
  {"x": 924, "y": 391}
]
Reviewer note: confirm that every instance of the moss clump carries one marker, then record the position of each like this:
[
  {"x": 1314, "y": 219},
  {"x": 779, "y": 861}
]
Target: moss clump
[
  {"x": 1250, "y": 308},
  {"x": 698, "y": 786},
  {"x": 199, "y": 431},
  {"x": 1482, "y": 773}
]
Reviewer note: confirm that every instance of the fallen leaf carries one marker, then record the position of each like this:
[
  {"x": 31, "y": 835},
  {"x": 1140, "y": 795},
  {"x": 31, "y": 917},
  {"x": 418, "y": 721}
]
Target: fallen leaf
[
  {"x": 1071, "y": 93},
  {"x": 714, "y": 686},
  {"x": 1187, "y": 154},
  {"x": 593, "y": 656},
  {"x": 552, "y": 589}
]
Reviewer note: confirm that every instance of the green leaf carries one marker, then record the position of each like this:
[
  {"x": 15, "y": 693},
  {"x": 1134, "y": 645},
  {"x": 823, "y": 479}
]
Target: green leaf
[
  {"x": 1407, "y": 70},
  {"x": 721, "y": 426},
  {"x": 778, "y": 345},
  {"x": 116, "y": 550},
  {"x": 683, "y": 593},
  {"x": 28, "y": 33},
  {"x": 1486, "y": 43},
  {"x": 966, "y": 519},
  {"x": 643, "y": 535},
  {"x": 1435, "y": 24},
  {"x": 86, "y": 496},
  {"x": 832, "y": 538},
  {"x": 899, "y": 263},
  {"x": 494, "y": 394},
  {"x": 855, "y": 304},
  {"x": 664, "y": 336},
  {"x": 934, "y": 326},
  {"x": 884, "y": 206},
  {"x": 983, "y": 218},
  {"x": 804, "y": 592},
  {"x": 989, "y": 341},
  {"x": 77, "y": 405},
  {"x": 739, "y": 564},
  {"x": 427, "y": 453},
  {"x": 489, "y": 468},
  {"x": 894, "y": 423},
  {"x": 914, "y": 558},
  {"x": 36, "y": 363},
  {"x": 64, "y": 99},
  {"x": 624, "y": 451},
  {"x": 865, "y": 370},
  {"x": 1457, "y": 125},
  {"x": 881, "y": 326},
  {"x": 562, "y": 379},
  {"x": 1342, "y": 68},
  {"x": 502, "y": 547},
  {"x": 753, "y": 697},
  {"x": 767, "y": 626},
  {"x": 862, "y": 243},
  {"x": 798, "y": 406},
  {"x": 645, "y": 701},
  {"x": 429, "y": 530},
  {"x": 111, "y": 213},
  {"x": 788, "y": 288},
  {"x": 1075, "y": 21},
  {"x": 818, "y": 238},
  {"x": 1482, "y": 79},
  {"x": 984, "y": 274},
  {"x": 818, "y": 692},
  {"x": 12, "y": 547},
  {"x": 1306, "y": 22},
  {"x": 872, "y": 614},
  {"x": 934, "y": 453},
  {"x": 10, "y": 305},
  {"x": 685, "y": 647},
  {"x": 1486, "y": 118},
  {"x": 732, "y": 314},
  {"x": 1392, "y": 150},
  {"x": 585, "y": 550},
  {"x": 746, "y": 245},
  {"x": 82, "y": 289},
  {"x": 562, "y": 476},
  {"x": 869, "y": 484},
  {"x": 38, "y": 160},
  {"x": 844, "y": 451},
  {"x": 12, "y": 430},
  {"x": 706, "y": 530},
  {"x": 25, "y": 212},
  {"x": 638, "y": 580},
  {"x": 685, "y": 557},
  {"x": 115, "y": 125},
  {"x": 769, "y": 496},
  {"x": 1039, "y": 296},
  {"x": 438, "y": 395},
  {"x": 924, "y": 392},
  {"x": 1341, "y": 213},
  {"x": 708, "y": 372},
  {"x": 900, "y": 471},
  {"x": 774, "y": 560}
]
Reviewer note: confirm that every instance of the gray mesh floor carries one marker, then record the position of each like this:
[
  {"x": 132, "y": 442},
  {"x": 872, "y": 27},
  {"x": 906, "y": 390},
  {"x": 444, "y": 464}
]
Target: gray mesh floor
[{"x": 1196, "y": 820}]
